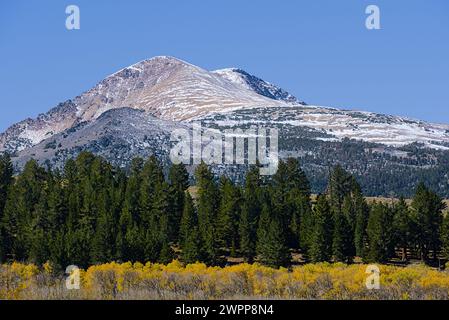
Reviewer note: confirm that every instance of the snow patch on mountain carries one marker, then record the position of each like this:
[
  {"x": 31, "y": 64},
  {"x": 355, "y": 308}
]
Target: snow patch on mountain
[
  {"x": 357, "y": 125},
  {"x": 173, "y": 90},
  {"x": 256, "y": 84}
]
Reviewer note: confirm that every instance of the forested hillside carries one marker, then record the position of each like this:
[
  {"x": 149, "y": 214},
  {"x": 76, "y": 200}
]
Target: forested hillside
[{"x": 92, "y": 213}]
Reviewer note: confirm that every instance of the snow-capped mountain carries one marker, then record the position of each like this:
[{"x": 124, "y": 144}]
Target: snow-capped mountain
[
  {"x": 171, "y": 89},
  {"x": 133, "y": 111},
  {"x": 165, "y": 87}
]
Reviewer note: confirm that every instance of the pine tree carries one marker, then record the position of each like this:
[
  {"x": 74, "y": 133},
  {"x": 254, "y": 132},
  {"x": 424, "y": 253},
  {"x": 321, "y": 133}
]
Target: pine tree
[
  {"x": 161, "y": 218},
  {"x": 262, "y": 230},
  {"x": 380, "y": 233},
  {"x": 6, "y": 180},
  {"x": 153, "y": 226},
  {"x": 275, "y": 252},
  {"x": 39, "y": 228},
  {"x": 250, "y": 211},
  {"x": 189, "y": 218},
  {"x": 103, "y": 246},
  {"x": 290, "y": 193},
  {"x": 208, "y": 200},
  {"x": 129, "y": 238},
  {"x": 71, "y": 193},
  {"x": 427, "y": 217},
  {"x": 402, "y": 227},
  {"x": 297, "y": 179},
  {"x": 152, "y": 177},
  {"x": 342, "y": 245},
  {"x": 179, "y": 182},
  {"x": 228, "y": 213},
  {"x": 349, "y": 214},
  {"x": 247, "y": 241},
  {"x": 445, "y": 237},
  {"x": 190, "y": 239},
  {"x": 19, "y": 213},
  {"x": 361, "y": 220},
  {"x": 305, "y": 215},
  {"x": 321, "y": 247},
  {"x": 341, "y": 190},
  {"x": 191, "y": 250},
  {"x": 281, "y": 187},
  {"x": 340, "y": 185},
  {"x": 132, "y": 193}
]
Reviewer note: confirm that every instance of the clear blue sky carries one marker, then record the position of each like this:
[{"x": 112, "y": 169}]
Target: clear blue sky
[{"x": 318, "y": 50}]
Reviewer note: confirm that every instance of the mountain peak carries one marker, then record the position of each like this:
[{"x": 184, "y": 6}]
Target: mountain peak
[
  {"x": 163, "y": 86},
  {"x": 158, "y": 63}
]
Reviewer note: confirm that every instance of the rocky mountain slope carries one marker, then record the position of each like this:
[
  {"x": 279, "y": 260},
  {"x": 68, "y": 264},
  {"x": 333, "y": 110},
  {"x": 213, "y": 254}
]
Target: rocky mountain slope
[
  {"x": 134, "y": 111},
  {"x": 165, "y": 87}
]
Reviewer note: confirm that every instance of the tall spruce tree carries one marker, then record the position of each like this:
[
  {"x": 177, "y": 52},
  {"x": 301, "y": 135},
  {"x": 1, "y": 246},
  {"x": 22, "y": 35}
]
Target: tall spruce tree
[
  {"x": 402, "y": 227},
  {"x": 247, "y": 240},
  {"x": 427, "y": 208},
  {"x": 208, "y": 201},
  {"x": 103, "y": 246},
  {"x": 305, "y": 231},
  {"x": 321, "y": 247},
  {"x": 340, "y": 185},
  {"x": 6, "y": 179},
  {"x": 342, "y": 190},
  {"x": 228, "y": 213},
  {"x": 179, "y": 182},
  {"x": 445, "y": 237},
  {"x": 130, "y": 237},
  {"x": 190, "y": 239},
  {"x": 342, "y": 245},
  {"x": 250, "y": 212},
  {"x": 189, "y": 219},
  {"x": 380, "y": 233},
  {"x": 275, "y": 252},
  {"x": 291, "y": 194},
  {"x": 19, "y": 213},
  {"x": 162, "y": 217},
  {"x": 262, "y": 230},
  {"x": 151, "y": 178},
  {"x": 191, "y": 251},
  {"x": 361, "y": 221}
]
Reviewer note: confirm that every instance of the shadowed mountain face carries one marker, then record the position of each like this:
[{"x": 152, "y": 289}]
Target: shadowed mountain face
[{"x": 134, "y": 111}]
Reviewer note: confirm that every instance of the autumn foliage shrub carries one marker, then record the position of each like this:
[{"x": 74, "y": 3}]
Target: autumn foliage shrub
[{"x": 242, "y": 281}]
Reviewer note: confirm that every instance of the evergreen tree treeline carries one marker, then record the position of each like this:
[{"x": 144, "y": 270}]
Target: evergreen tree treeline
[{"x": 91, "y": 213}]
